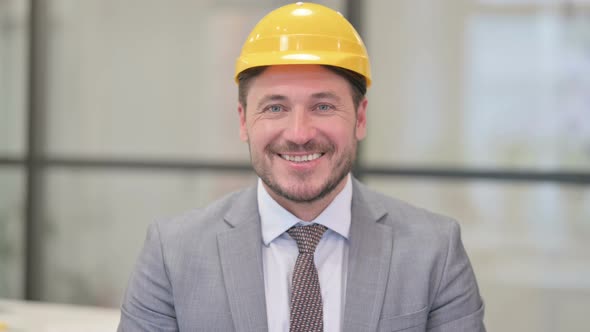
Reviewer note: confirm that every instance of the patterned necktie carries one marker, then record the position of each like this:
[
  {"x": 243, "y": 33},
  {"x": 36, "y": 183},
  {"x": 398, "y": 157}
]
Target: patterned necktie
[{"x": 306, "y": 298}]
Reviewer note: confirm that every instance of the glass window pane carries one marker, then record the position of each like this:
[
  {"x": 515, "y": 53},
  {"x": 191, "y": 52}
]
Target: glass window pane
[
  {"x": 13, "y": 75},
  {"x": 12, "y": 260},
  {"x": 96, "y": 222},
  {"x": 528, "y": 104},
  {"x": 529, "y": 244},
  {"x": 147, "y": 79},
  {"x": 461, "y": 85}
]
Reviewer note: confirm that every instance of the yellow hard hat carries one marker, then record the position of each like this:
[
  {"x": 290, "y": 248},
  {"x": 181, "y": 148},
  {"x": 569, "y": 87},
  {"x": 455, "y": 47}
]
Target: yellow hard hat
[{"x": 304, "y": 33}]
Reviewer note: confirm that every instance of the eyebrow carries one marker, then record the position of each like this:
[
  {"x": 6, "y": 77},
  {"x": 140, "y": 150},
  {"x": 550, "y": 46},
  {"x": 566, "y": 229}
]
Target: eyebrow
[
  {"x": 269, "y": 98},
  {"x": 277, "y": 97},
  {"x": 326, "y": 95}
]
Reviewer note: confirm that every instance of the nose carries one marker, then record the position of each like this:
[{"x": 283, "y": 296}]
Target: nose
[{"x": 300, "y": 127}]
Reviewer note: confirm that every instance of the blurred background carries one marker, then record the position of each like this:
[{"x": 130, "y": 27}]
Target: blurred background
[{"x": 116, "y": 113}]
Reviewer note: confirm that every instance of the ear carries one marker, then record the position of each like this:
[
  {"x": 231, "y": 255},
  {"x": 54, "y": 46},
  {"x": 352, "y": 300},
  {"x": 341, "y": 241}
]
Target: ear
[
  {"x": 361, "y": 120},
  {"x": 243, "y": 128}
]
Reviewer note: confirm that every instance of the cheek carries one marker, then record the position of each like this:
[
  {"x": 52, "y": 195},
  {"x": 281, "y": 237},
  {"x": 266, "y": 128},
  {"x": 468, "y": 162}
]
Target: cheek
[
  {"x": 340, "y": 138},
  {"x": 260, "y": 134}
]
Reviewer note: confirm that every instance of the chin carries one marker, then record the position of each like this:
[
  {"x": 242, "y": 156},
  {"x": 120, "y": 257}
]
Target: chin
[{"x": 302, "y": 193}]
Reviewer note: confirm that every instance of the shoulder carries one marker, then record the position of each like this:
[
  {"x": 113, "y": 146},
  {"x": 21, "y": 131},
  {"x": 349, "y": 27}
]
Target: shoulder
[
  {"x": 428, "y": 264},
  {"x": 205, "y": 221},
  {"x": 406, "y": 220}
]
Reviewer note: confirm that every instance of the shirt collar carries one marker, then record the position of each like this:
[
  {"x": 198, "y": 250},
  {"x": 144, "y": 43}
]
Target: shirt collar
[{"x": 276, "y": 220}]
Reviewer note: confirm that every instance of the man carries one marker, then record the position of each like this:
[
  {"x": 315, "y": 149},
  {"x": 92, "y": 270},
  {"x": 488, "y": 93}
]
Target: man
[{"x": 309, "y": 248}]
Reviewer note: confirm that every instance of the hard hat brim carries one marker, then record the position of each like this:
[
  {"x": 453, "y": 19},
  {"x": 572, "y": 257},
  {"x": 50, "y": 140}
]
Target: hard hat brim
[{"x": 354, "y": 62}]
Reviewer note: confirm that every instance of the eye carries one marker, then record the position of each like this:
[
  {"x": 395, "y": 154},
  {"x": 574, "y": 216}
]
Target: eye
[
  {"x": 324, "y": 107},
  {"x": 274, "y": 108}
]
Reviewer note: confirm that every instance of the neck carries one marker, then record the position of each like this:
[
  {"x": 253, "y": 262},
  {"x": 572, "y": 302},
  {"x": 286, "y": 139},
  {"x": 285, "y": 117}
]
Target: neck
[{"x": 307, "y": 211}]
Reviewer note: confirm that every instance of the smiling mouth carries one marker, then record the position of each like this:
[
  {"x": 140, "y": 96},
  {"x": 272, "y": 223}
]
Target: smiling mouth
[{"x": 301, "y": 159}]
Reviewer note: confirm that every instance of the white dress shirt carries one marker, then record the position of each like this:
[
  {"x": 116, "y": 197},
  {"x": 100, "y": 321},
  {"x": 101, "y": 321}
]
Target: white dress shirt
[{"x": 280, "y": 252}]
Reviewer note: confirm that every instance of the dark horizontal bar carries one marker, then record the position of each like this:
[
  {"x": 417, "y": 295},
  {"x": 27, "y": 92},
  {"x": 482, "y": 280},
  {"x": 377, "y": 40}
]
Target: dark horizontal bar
[
  {"x": 581, "y": 178},
  {"x": 570, "y": 177},
  {"x": 179, "y": 165},
  {"x": 183, "y": 165},
  {"x": 12, "y": 161}
]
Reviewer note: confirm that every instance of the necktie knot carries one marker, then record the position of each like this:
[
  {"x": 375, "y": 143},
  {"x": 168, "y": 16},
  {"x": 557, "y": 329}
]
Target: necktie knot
[{"x": 307, "y": 237}]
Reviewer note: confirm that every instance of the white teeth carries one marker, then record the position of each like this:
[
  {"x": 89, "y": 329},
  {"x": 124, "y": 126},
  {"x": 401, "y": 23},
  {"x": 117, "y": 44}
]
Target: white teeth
[{"x": 299, "y": 159}]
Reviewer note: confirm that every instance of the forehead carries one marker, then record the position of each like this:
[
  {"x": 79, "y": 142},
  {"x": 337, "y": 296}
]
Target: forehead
[{"x": 298, "y": 79}]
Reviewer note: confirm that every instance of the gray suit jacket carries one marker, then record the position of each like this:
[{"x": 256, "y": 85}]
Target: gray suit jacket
[{"x": 407, "y": 271}]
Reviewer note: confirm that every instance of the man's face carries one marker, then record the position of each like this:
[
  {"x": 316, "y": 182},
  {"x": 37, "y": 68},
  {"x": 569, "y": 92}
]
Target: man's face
[{"x": 302, "y": 129}]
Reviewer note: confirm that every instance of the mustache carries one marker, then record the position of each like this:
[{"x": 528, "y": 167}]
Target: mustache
[{"x": 309, "y": 146}]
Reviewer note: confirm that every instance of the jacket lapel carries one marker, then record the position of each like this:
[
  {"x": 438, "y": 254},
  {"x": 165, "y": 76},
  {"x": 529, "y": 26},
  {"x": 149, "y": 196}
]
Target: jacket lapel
[
  {"x": 369, "y": 259},
  {"x": 240, "y": 250}
]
